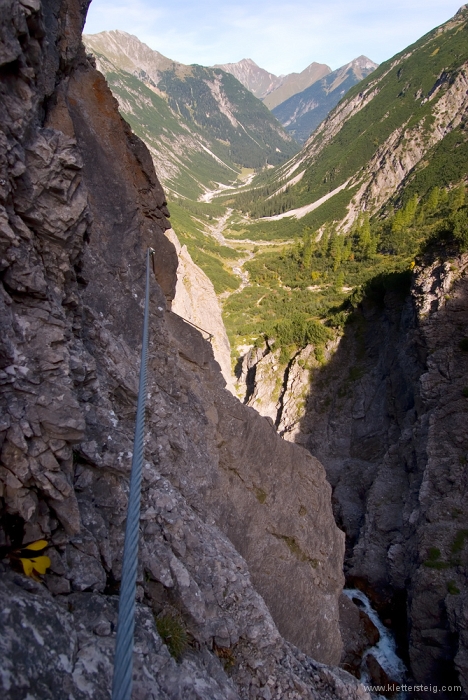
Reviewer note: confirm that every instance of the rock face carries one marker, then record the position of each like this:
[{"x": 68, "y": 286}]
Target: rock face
[
  {"x": 195, "y": 300},
  {"x": 80, "y": 203},
  {"x": 358, "y": 633},
  {"x": 277, "y": 390},
  {"x": 260, "y": 381},
  {"x": 387, "y": 417}
]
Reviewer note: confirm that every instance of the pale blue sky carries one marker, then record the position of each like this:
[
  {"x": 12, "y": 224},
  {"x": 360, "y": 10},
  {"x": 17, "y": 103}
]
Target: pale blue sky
[{"x": 279, "y": 36}]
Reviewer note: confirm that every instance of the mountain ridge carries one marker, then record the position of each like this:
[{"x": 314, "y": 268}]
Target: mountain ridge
[
  {"x": 258, "y": 80},
  {"x": 302, "y": 113},
  {"x": 270, "y": 88},
  {"x": 377, "y": 116}
]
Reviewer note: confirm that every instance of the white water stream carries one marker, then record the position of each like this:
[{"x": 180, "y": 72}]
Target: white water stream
[{"x": 385, "y": 649}]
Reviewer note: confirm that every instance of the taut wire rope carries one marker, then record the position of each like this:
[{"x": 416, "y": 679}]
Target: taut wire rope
[{"x": 123, "y": 660}]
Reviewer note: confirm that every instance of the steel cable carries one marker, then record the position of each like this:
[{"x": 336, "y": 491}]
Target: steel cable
[{"x": 123, "y": 660}]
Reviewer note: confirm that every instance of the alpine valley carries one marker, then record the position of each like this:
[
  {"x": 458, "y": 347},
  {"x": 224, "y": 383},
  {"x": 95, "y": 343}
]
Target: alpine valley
[{"x": 307, "y": 391}]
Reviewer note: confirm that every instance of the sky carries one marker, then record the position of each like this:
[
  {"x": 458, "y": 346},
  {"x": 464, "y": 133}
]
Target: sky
[{"x": 282, "y": 37}]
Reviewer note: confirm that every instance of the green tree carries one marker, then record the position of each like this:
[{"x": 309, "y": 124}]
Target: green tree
[
  {"x": 335, "y": 250},
  {"x": 433, "y": 200},
  {"x": 365, "y": 240},
  {"x": 459, "y": 221},
  {"x": 457, "y": 197}
]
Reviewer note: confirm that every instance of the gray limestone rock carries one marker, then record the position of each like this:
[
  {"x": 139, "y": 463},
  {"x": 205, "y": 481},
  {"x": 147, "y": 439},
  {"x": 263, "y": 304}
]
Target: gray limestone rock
[
  {"x": 392, "y": 406},
  {"x": 80, "y": 205}
]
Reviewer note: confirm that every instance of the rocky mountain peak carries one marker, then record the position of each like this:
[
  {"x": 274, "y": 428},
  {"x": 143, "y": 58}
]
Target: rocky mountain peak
[
  {"x": 259, "y": 81},
  {"x": 363, "y": 64},
  {"x": 127, "y": 52},
  {"x": 293, "y": 83},
  {"x": 248, "y": 61}
]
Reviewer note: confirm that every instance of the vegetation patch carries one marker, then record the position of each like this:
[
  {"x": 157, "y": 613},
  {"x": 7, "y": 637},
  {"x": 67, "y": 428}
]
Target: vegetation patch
[
  {"x": 172, "y": 631},
  {"x": 296, "y": 550},
  {"x": 434, "y": 561},
  {"x": 459, "y": 541},
  {"x": 325, "y": 275},
  {"x": 226, "y": 655},
  {"x": 189, "y": 220},
  {"x": 452, "y": 588},
  {"x": 260, "y": 495}
]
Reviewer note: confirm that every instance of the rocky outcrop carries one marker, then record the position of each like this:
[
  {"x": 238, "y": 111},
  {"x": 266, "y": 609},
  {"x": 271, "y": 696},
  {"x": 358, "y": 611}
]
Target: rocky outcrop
[
  {"x": 253, "y": 491},
  {"x": 195, "y": 300},
  {"x": 260, "y": 380},
  {"x": 387, "y": 418},
  {"x": 80, "y": 203},
  {"x": 279, "y": 390},
  {"x": 406, "y": 147}
]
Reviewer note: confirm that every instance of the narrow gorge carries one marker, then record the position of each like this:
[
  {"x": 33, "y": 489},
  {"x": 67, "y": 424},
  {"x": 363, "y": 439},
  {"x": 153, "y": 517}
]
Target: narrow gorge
[{"x": 386, "y": 415}]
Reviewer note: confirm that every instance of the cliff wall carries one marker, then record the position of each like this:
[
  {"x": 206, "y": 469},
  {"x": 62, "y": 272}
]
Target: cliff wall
[
  {"x": 386, "y": 414},
  {"x": 195, "y": 300},
  {"x": 80, "y": 203},
  {"x": 387, "y": 417}
]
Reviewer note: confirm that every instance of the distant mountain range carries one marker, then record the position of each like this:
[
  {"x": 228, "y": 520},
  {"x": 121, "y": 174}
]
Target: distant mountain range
[
  {"x": 303, "y": 112},
  {"x": 204, "y": 124},
  {"x": 300, "y": 101},
  {"x": 270, "y": 88}
]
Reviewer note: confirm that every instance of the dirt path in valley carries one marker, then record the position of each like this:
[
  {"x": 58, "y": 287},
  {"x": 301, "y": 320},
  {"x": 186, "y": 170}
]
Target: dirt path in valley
[{"x": 216, "y": 231}]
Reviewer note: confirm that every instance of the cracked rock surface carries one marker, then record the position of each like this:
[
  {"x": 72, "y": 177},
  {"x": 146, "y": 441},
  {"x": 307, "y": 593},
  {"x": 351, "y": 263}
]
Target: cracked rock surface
[
  {"x": 392, "y": 404},
  {"x": 238, "y": 538}
]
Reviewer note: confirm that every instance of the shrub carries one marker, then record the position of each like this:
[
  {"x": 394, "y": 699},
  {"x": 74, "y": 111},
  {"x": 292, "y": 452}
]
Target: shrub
[
  {"x": 226, "y": 656},
  {"x": 459, "y": 541},
  {"x": 172, "y": 631},
  {"x": 459, "y": 221},
  {"x": 433, "y": 561},
  {"x": 300, "y": 331},
  {"x": 452, "y": 588}
]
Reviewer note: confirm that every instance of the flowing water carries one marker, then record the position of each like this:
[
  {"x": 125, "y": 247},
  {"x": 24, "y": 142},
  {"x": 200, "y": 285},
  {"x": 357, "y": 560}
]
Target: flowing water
[{"x": 385, "y": 649}]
